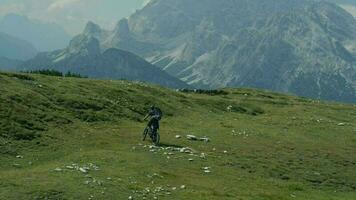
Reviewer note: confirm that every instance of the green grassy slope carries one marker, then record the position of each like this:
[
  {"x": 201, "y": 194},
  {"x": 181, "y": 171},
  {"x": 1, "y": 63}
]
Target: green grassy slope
[{"x": 267, "y": 146}]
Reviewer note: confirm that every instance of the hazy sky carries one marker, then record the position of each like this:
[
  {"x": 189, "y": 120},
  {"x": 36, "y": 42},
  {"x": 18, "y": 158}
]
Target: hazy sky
[
  {"x": 349, "y": 5},
  {"x": 73, "y": 14}
]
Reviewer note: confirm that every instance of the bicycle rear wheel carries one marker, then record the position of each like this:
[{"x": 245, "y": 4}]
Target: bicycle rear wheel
[{"x": 156, "y": 139}]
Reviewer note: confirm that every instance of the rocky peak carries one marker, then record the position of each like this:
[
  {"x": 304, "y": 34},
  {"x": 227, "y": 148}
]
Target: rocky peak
[
  {"x": 84, "y": 44},
  {"x": 92, "y": 29},
  {"x": 122, "y": 28}
]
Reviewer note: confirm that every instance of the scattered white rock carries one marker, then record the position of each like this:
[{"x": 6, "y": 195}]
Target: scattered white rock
[
  {"x": 94, "y": 167},
  {"x": 205, "y": 139},
  {"x": 341, "y": 124},
  {"x": 182, "y": 187},
  {"x": 178, "y": 136},
  {"x": 130, "y": 198},
  {"x": 202, "y": 155},
  {"x": 206, "y": 170},
  {"x": 58, "y": 169},
  {"x": 19, "y": 156},
  {"x": 191, "y": 159},
  {"x": 192, "y": 137},
  {"x": 185, "y": 150},
  {"x": 225, "y": 152},
  {"x": 83, "y": 170},
  {"x": 229, "y": 108}
]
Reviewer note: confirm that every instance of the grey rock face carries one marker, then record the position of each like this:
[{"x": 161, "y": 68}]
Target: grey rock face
[{"x": 304, "y": 47}]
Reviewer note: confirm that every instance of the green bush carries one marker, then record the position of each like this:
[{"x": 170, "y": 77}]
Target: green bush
[{"x": 20, "y": 76}]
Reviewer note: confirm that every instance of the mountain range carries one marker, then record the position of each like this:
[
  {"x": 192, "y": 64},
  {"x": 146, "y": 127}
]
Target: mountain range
[
  {"x": 44, "y": 36},
  {"x": 303, "y": 47},
  {"x": 84, "y": 56}
]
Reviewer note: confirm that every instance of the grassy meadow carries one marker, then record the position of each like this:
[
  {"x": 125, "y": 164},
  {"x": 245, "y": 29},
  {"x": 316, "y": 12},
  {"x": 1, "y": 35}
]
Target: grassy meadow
[{"x": 73, "y": 138}]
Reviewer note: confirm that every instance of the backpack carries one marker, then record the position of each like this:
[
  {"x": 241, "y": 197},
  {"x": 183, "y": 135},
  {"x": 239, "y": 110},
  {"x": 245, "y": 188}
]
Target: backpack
[{"x": 158, "y": 113}]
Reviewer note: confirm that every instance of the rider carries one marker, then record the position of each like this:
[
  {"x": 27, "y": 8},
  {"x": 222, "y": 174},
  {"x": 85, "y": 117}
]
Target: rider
[{"x": 155, "y": 115}]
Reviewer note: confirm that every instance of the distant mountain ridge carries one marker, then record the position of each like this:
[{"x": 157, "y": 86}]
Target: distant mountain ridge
[
  {"x": 7, "y": 64},
  {"x": 304, "y": 47},
  {"x": 84, "y": 56},
  {"x": 44, "y": 36},
  {"x": 15, "y": 48}
]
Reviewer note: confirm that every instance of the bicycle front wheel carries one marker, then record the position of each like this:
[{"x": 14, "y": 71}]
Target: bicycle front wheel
[{"x": 145, "y": 132}]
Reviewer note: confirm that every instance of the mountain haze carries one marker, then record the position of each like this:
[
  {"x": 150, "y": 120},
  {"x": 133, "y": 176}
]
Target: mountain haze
[
  {"x": 303, "y": 47},
  {"x": 9, "y": 64},
  {"x": 44, "y": 36},
  {"x": 15, "y": 48}
]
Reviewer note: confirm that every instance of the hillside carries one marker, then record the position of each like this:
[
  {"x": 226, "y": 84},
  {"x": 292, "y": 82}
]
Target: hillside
[
  {"x": 84, "y": 56},
  {"x": 287, "y": 47},
  {"x": 67, "y": 138}
]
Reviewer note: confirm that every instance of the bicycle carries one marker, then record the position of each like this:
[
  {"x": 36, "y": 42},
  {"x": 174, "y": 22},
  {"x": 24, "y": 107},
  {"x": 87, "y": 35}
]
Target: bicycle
[{"x": 155, "y": 137}]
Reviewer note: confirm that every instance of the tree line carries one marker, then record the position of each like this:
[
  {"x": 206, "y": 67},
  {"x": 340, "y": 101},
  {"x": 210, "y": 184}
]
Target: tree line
[{"x": 51, "y": 72}]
